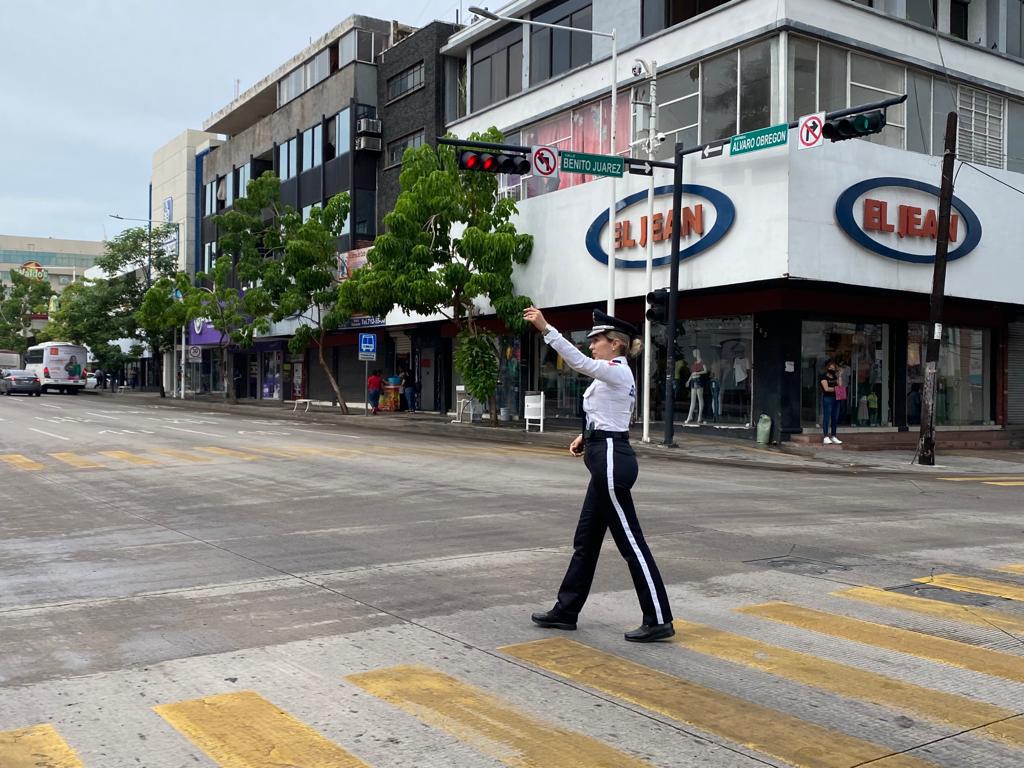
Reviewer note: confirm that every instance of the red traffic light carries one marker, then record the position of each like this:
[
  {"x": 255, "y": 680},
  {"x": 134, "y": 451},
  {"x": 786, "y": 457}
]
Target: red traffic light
[
  {"x": 510, "y": 163},
  {"x": 488, "y": 163}
]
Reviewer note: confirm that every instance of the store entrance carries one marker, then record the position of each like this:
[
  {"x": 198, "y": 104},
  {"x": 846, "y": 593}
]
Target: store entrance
[{"x": 862, "y": 353}]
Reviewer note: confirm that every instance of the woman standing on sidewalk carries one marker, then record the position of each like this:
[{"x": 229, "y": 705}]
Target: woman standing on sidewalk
[
  {"x": 604, "y": 445},
  {"x": 830, "y": 403}
]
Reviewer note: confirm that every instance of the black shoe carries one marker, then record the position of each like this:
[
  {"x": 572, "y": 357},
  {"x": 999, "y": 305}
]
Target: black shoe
[
  {"x": 552, "y": 620},
  {"x": 648, "y": 633}
]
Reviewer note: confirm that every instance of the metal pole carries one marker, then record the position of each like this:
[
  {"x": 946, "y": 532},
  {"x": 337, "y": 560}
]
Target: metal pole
[
  {"x": 184, "y": 343},
  {"x": 611, "y": 179},
  {"x": 673, "y": 297},
  {"x": 651, "y": 132},
  {"x": 366, "y": 388},
  {"x": 926, "y": 443}
]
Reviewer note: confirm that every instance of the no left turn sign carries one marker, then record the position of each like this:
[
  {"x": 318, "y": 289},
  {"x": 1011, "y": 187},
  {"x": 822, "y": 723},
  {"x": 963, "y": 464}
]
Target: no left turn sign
[
  {"x": 809, "y": 131},
  {"x": 545, "y": 162}
]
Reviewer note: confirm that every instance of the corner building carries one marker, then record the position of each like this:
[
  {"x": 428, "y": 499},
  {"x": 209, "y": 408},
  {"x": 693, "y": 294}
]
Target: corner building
[{"x": 790, "y": 256}]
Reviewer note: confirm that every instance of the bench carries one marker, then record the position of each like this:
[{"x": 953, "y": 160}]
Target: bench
[{"x": 309, "y": 402}]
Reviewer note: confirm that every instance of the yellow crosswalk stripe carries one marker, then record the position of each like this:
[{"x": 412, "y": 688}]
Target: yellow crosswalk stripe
[
  {"x": 912, "y": 643},
  {"x": 21, "y": 462},
  {"x": 182, "y": 455},
  {"x": 488, "y": 723},
  {"x": 975, "y": 585},
  {"x": 774, "y": 733},
  {"x": 1005, "y": 483},
  {"x": 981, "y": 478},
  {"x": 1018, "y": 568},
  {"x": 76, "y": 460},
  {"x": 281, "y": 453},
  {"x": 852, "y": 682},
  {"x": 131, "y": 458},
  {"x": 969, "y": 614},
  {"x": 34, "y": 747},
  {"x": 244, "y": 730},
  {"x": 228, "y": 452}
]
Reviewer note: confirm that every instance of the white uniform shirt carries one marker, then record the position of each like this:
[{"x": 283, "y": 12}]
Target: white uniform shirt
[{"x": 608, "y": 401}]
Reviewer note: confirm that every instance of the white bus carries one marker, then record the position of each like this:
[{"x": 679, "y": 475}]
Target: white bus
[{"x": 58, "y": 365}]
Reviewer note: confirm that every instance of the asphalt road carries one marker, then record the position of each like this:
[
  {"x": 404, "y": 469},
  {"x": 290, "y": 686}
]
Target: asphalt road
[{"x": 189, "y": 588}]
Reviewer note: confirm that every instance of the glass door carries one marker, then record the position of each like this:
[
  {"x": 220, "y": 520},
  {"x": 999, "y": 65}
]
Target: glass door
[{"x": 862, "y": 352}]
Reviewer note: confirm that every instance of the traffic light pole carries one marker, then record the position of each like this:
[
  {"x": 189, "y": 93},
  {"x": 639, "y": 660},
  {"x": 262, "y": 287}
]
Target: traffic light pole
[
  {"x": 673, "y": 297},
  {"x": 926, "y": 442}
]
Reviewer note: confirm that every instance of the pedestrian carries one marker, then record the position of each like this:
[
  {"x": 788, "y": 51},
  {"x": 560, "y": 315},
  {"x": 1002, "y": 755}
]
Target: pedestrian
[
  {"x": 829, "y": 403},
  {"x": 604, "y": 445},
  {"x": 409, "y": 384},
  {"x": 374, "y": 384}
]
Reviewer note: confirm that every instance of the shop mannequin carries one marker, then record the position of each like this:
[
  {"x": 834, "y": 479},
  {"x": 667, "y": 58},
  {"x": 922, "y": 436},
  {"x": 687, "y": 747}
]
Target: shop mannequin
[{"x": 698, "y": 374}]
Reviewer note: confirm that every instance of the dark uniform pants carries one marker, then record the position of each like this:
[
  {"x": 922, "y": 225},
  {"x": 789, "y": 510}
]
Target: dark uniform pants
[{"x": 609, "y": 504}]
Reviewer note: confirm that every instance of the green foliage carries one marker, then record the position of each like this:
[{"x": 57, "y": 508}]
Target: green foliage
[
  {"x": 18, "y": 302},
  {"x": 449, "y": 246}
]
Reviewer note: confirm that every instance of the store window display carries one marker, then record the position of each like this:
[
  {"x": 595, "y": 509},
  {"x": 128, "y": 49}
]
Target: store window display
[
  {"x": 696, "y": 383},
  {"x": 861, "y": 353},
  {"x": 562, "y": 386},
  {"x": 962, "y": 394}
]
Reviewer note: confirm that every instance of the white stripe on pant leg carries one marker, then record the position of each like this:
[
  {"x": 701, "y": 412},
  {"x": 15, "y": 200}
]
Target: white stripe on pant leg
[{"x": 610, "y": 470}]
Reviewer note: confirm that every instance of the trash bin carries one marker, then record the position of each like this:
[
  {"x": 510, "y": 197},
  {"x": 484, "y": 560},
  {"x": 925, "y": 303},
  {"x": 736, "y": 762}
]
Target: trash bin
[{"x": 764, "y": 429}]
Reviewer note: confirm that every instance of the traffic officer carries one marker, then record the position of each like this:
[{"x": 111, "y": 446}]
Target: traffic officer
[{"x": 604, "y": 446}]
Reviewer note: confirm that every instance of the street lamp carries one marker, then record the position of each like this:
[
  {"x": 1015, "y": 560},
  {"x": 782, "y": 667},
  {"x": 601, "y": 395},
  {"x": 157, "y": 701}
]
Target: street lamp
[
  {"x": 611, "y": 136},
  {"x": 649, "y": 68}
]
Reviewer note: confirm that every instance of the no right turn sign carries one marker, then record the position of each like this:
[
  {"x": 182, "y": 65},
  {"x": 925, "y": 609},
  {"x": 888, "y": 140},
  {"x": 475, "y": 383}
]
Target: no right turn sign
[{"x": 810, "y": 131}]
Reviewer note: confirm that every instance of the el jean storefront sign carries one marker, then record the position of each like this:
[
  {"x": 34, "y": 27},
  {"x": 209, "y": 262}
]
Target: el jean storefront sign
[
  {"x": 877, "y": 214},
  {"x": 632, "y": 228}
]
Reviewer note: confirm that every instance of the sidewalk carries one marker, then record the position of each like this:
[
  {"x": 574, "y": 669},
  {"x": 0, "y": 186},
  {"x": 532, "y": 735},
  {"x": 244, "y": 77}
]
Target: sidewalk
[{"x": 690, "y": 447}]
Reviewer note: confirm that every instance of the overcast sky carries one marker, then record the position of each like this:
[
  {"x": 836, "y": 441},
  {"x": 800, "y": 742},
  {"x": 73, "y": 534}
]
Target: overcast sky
[{"x": 89, "y": 89}]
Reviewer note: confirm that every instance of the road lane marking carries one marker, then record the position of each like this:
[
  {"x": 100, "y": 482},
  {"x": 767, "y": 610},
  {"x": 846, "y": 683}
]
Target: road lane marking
[
  {"x": 1018, "y": 568},
  {"x": 977, "y": 586},
  {"x": 48, "y": 405},
  {"x": 244, "y": 730},
  {"x": 774, "y": 733},
  {"x": 968, "y": 614},
  {"x": 104, "y": 415},
  {"x": 905, "y": 641},
  {"x": 183, "y": 455},
  {"x": 852, "y": 682},
  {"x": 230, "y": 453},
  {"x": 131, "y": 458},
  {"x": 21, "y": 462},
  {"x": 76, "y": 460},
  {"x": 487, "y": 723},
  {"x": 282, "y": 453},
  {"x": 37, "y": 746},
  {"x": 48, "y": 434},
  {"x": 331, "y": 434},
  {"x": 193, "y": 431}
]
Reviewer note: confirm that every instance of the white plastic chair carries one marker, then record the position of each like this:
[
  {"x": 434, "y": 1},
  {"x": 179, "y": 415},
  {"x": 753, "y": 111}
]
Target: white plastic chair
[{"x": 533, "y": 410}]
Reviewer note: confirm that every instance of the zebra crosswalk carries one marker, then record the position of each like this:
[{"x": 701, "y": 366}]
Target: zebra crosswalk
[{"x": 485, "y": 713}]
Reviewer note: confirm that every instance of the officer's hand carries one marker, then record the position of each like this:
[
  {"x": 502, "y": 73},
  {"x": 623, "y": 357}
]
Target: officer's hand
[
  {"x": 534, "y": 316},
  {"x": 576, "y": 446}
]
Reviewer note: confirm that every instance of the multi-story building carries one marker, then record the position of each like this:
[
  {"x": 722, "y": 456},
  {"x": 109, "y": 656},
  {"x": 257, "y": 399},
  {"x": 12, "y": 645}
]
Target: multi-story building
[{"x": 790, "y": 256}]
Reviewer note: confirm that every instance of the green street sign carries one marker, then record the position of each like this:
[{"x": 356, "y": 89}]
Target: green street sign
[
  {"x": 763, "y": 138},
  {"x": 595, "y": 165}
]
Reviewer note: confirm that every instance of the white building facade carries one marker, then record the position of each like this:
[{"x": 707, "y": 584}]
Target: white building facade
[{"x": 791, "y": 256}]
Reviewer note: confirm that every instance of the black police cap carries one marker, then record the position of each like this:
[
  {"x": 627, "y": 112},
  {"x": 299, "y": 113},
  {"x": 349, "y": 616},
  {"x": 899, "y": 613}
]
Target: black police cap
[{"x": 605, "y": 323}]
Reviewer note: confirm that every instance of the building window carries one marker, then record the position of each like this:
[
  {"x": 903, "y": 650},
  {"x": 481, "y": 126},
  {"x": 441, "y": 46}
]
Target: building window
[
  {"x": 958, "y": 18},
  {"x": 662, "y": 14},
  {"x": 922, "y": 12},
  {"x": 678, "y": 110},
  {"x": 396, "y": 149},
  {"x": 343, "y": 133},
  {"x": 303, "y": 78},
  {"x": 737, "y": 90},
  {"x": 1015, "y": 137},
  {"x": 288, "y": 159},
  {"x": 497, "y": 68},
  {"x": 210, "y": 198},
  {"x": 312, "y": 147},
  {"x": 402, "y": 83},
  {"x": 553, "y": 51},
  {"x": 244, "y": 175},
  {"x": 980, "y": 134}
]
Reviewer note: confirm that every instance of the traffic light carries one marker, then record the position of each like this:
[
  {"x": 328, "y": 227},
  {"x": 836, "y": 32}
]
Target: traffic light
[
  {"x": 854, "y": 126},
  {"x": 478, "y": 160},
  {"x": 657, "y": 306}
]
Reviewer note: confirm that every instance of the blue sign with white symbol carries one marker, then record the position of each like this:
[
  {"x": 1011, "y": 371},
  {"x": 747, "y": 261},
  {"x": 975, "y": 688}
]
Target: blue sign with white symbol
[{"x": 368, "y": 347}]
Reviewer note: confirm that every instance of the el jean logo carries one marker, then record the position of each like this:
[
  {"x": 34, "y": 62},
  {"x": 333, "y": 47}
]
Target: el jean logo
[
  {"x": 629, "y": 236},
  {"x": 897, "y": 221}
]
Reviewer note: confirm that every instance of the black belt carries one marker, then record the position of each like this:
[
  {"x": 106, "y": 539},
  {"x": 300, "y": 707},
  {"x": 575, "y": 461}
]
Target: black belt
[{"x": 600, "y": 434}]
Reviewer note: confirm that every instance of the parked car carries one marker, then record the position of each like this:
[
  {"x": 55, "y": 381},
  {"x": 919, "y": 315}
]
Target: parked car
[
  {"x": 25, "y": 382},
  {"x": 91, "y": 382}
]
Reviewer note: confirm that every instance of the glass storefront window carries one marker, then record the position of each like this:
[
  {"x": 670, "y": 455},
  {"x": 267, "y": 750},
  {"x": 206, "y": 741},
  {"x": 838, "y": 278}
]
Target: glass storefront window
[
  {"x": 508, "y": 374},
  {"x": 271, "y": 375},
  {"x": 962, "y": 395},
  {"x": 563, "y": 388},
  {"x": 862, "y": 352},
  {"x": 725, "y": 348}
]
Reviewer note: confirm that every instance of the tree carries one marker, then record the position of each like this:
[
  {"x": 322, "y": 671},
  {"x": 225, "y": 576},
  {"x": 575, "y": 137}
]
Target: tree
[
  {"x": 86, "y": 314},
  {"x": 303, "y": 283},
  {"x": 236, "y": 302},
  {"x": 421, "y": 266},
  {"x": 163, "y": 311},
  {"x": 21, "y": 299},
  {"x": 134, "y": 261}
]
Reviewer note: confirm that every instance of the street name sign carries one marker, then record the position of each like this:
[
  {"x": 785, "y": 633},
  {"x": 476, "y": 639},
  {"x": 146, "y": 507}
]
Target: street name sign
[
  {"x": 594, "y": 165},
  {"x": 763, "y": 138}
]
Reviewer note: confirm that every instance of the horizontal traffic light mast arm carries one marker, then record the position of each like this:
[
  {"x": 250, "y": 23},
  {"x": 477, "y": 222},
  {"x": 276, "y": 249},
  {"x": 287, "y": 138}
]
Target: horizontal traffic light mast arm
[{"x": 468, "y": 144}]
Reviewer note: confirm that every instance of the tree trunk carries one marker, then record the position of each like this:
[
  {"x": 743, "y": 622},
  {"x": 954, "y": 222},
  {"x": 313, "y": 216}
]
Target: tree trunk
[
  {"x": 330, "y": 376},
  {"x": 158, "y": 364},
  {"x": 227, "y": 365}
]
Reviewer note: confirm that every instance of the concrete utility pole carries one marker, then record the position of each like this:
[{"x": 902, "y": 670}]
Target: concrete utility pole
[{"x": 926, "y": 443}]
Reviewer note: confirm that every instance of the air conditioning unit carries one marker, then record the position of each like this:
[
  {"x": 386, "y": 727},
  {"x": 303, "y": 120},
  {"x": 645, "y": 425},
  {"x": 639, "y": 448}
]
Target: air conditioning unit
[
  {"x": 367, "y": 125},
  {"x": 371, "y": 143}
]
